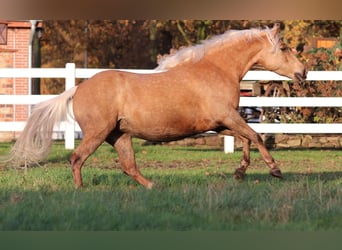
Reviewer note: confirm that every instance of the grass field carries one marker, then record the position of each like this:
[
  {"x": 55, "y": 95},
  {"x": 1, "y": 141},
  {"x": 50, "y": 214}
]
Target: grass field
[{"x": 194, "y": 190}]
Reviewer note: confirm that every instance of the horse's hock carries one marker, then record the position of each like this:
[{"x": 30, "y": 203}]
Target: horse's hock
[{"x": 271, "y": 141}]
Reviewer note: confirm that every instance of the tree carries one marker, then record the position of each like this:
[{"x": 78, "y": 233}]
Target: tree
[{"x": 304, "y": 34}]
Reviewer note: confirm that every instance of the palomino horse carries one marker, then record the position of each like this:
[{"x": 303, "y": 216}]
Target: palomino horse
[{"x": 197, "y": 90}]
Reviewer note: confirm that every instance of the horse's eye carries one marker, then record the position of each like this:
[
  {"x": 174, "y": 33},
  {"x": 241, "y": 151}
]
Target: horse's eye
[{"x": 283, "y": 48}]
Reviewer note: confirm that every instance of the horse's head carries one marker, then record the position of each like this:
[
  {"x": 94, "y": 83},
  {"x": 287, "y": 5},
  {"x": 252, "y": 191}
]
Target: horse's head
[{"x": 276, "y": 57}]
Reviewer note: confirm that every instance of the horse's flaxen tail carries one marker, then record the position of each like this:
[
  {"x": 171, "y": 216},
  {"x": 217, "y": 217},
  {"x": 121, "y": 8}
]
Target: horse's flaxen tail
[{"x": 34, "y": 142}]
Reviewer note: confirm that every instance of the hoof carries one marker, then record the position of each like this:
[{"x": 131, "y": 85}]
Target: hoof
[
  {"x": 78, "y": 186},
  {"x": 150, "y": 185},
  {"x": 239, "y": 174},
  {"x": 276, "y": 173}
]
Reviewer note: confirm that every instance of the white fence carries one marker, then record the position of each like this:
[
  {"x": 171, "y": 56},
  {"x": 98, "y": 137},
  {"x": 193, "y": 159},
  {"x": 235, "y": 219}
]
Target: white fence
[{"x": 70, "y": 73}]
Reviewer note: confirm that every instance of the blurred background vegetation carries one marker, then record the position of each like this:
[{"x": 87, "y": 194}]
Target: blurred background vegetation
[{"x": 136, "y": 44}]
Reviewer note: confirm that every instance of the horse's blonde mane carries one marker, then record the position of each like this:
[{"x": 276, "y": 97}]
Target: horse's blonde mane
[{"x": 196, "y": 52}]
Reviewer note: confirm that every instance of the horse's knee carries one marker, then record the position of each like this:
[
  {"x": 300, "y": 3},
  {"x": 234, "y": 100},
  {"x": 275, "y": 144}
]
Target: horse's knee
[{"x": 256, "y": 138}]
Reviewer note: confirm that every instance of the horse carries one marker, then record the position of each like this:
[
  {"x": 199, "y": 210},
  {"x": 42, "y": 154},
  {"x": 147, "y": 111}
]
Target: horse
[{"x": 194, "y": 90}]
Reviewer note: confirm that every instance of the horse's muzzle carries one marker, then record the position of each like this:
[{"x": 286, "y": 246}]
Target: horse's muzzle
[{"x": 301, "y": 76}]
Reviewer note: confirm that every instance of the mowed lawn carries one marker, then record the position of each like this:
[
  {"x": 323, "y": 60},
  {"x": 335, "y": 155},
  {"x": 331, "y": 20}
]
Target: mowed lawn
[{"x": 194, "y": 190}]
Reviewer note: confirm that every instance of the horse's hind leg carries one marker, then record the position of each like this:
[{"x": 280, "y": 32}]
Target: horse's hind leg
[
  {"x": 237, "y": 124},
  {"x": 239, "y": 173},
  {"x": 123, "y": 145},
  {"x": 87, "y": 146}
]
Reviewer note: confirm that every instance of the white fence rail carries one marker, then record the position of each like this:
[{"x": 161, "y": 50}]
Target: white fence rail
[{"x": 70, "y": 73}]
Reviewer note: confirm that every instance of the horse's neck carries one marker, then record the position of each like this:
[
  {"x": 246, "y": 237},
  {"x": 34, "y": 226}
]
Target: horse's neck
[{"x": 238, "y": 59}]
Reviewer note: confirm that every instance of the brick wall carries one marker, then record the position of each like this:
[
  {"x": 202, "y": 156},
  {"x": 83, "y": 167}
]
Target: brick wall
[{"x": 14, "y": 54}]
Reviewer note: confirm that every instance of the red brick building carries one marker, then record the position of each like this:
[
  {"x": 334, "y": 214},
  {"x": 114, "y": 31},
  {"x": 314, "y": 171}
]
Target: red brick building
[{"x": 14, "y": 53}]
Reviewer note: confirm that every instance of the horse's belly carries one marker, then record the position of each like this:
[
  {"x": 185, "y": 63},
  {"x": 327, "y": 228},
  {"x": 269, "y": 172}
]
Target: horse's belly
[
  {"x": 168, "y": 130},
  {"x": 160, "y": 135}
]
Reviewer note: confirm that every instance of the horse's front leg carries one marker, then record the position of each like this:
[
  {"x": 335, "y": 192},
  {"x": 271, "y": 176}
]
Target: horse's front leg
[
  {"x": 237, "y": 124},
  {"x": 239, "y": 173}
]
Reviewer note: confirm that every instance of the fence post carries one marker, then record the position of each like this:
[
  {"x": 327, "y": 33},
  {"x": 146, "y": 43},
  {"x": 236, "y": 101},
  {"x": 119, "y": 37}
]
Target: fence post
[
  {"x": 69, "y": 133},
  {"x": 228, "y": 144}
]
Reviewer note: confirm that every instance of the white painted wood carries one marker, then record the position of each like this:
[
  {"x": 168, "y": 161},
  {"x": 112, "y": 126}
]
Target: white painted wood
[
  {"x": 290, "y": 101},
  {"x": 69, "y": 133},
  {"x": 228, "y": 143}
]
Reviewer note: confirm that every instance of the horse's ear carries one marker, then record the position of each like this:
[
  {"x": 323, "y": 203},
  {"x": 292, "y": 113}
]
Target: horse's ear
[{"x": 276, "y": 29}]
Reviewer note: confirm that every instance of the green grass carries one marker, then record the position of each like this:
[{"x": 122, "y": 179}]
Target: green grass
[{"x": 194, "y": 191}]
